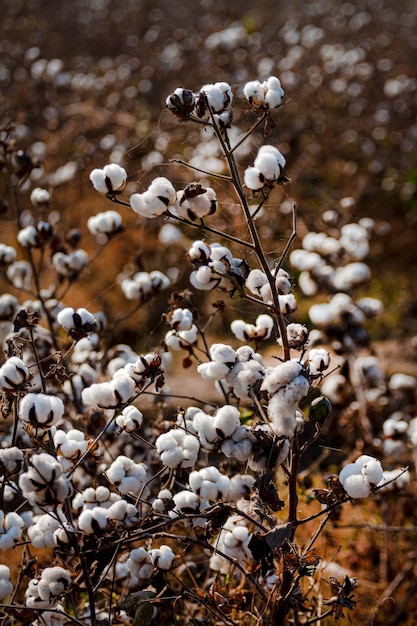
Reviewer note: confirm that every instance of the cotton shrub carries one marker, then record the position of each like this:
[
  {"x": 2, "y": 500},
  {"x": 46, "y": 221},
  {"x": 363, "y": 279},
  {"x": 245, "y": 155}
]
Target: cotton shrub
[{"x": 147, "y": 494}]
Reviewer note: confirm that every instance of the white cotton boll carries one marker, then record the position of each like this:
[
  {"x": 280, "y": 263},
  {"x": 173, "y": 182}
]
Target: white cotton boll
[
  {"x": 124, "y": 514},
  {"x": 254, "y": 93},
  {"x": 226, "y": 420},
  {"x": 163, "y": 189},
  {"x": 222, "y": 353},
  {"x": 240, "y": 486},
  {"x": 350, "y": 276},
  {"x": 11, "y": 530},
  {"x": 280, "y": 375},
  {"x": 92, "y": 521},
  {"x": 123, "y": 386},
  {"x": 318, "y": 361},
  {"x": 255, "y": 281},
  {"x": 264, "y": 325},
  {"x": 7, "y": 255},
  {"x": 163, "y": 501},
  {"x": 314, "y": 241},
  {"x": 39, "y": 196},
  {"x": 253, "y": 179},
  {"x": 287, "y": 303},
  {"x": 213, "y": 370},
  {"x": 116, "y": 175},
  {"x": 6, "y": 586},
  {"x": 282, "y": 415},
  {"x": 137, "y": 203},
  {"x": 41, "y": 532},
  {"x": 396, "y": 479},
  {"x": 130, "y": 419},
  {"x": 307, "y": 284},
  {"x": 186, "y": 501},
  {"x": 98, "y": 180},
  {"x": 402, "y": 382},
  {"x": 215, "y": 97},
  {"x": 181, "y": 319},
  {"x": 371, "y": 307},
  {"x": 304, "y": 260},
  {"x": 107, "y": 222},
  {"x": 20, "y": 274},
  {"x": 28, "y": 237},
  {"x": 243, "y": 331},
  {"x": 162, "y": 557},
  {"x": 204, "y": 279},
  {"x": 204, "y": 426},
  {"x": 267, "y": 165},
  {"x": 356, "y": 486},
  {"x": 13, "y": 373},
  {"x": 323, "y": 315},
  {"x": 41, "y": 410},
  {"x": 169, "y": 235},
  {"x": 11, "y": 460},
  {"x": 372, "y": 470},
  {"x": 199, "y": 252}
]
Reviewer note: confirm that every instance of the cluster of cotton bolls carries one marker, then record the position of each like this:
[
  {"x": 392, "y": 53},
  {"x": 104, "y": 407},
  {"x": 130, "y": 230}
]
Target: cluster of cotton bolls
[
  {"x": 216, "y": 267},
  {"x": 261, "y": 330},
  {"x": 183, "y": 333},
  {"x": 107, "y": 223},
  {"x": 70, "y": 265},
  {"x": 257, "y": 282},
  {"x": 240, "y": 370},
  {"x": 361, "y": 477},
  {"x": 266, "y": 170},
  {"x": 286, "y": 385},
  {"x": 213, "y": 98},
  {"x": 35, "y": 236},
  {"x": 45, "y": 483},
  {"x": 129, "y": 477},
  {"x": 233, "y": 542},
  {"x": 110, "y": 180},
  {"x": 264, "y": 95},
  {"x": 177, "y": 448},
  {"x": 334, "y": 263},
  {"x": 46, "y": 591},
  {"x": 144, "y": 285}
]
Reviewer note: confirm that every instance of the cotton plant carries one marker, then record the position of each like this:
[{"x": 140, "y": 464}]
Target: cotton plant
[{"x": 97, "y": 465}]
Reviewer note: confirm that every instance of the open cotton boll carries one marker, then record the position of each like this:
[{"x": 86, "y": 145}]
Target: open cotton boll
[
  {"x": 130, "y": 419},
  {"x": 318, "y": 361},
  {"x": 350, "y": 276},
  {"x": 199, "y": 252},
  {"x": 109, "y": 179},
  {"x": 204, "y": 278},
  {"x": 177, "y": 448},
  {"x": 6, "y": 586},
  {"x": 280, "y": 375},
  {"x": 163, "y": 189},
  {"x": 254, "y": 93},
  {"x": 253, "y": 179},
  {"x": 226, "y": 420},
  {"x": 356, "y": 486},
  {"x": 13, "y": 374},
  {"x": 267, "y": 165},
  {"x": 162, "y": 557},
  {"x": 222, "y": 353},
  {"x": 7, "y": 255},
  {"x": 41, "y": 410},
  {"x": 107, "y": 222},
  {"x": 181, "y": 319}
]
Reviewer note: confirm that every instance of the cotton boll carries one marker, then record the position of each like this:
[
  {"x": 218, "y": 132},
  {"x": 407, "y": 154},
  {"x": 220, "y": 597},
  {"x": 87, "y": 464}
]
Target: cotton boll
[
  {"x": 401, "y": 382},
  {"x": 6, "y": 586},
  {"x": 163, "y": 189},
  {"x": 41, "y": 410},
  {"x": 162, "y": 557},
  {"x": 356, "y": 486},
  {"x": 255, "y": 281},
  {"x": 254, "y": 93},
  {"x": 318, "y": 361},
  {"x": 130, "y": 419},
  {"x": 199, "y": 252},
  {"x": 281, "y": 375},
  {"x": 268, "y": 166},
  {"x": 253, "y": 179},
  {"x": 107, "y": 222},
  {"x": 110, "y": 179},
  {"x": 226, "y": 420},
  {"x": 203, "y": 278},
  {"x": 13, "y": 374},
  {"x": 396, "y": 479}
]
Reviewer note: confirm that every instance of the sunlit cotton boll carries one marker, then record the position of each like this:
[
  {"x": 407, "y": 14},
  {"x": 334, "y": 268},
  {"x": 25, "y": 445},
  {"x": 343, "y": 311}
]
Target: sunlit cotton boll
[
  {"x": 181, "y": 339},
  {"x": 14, "y": 374},
  {"x": 123, "y": 514},
  {"x": 318, "y": 361},
  {"x": 358, "y": 478},
  {"x": 162, "y": 557},
  {"x": 109, "y": 395},
  {"x": 6, "y": 586},
  {"x": 209, "y": 483},
  {"x": 11, "y": 529},
  {"x": 130, "y": 419},
  {"x": 107, "y": 222},
  {"x": 40, "y": 410},
  {"x": 28, "y": 237},
  {"x": 11, "y": 460},
  {"x": 77, "y": 321},
  {"x": 177, "y": 448},
  {"x": 42, "y": 532},
  {"x": 112, "y": 178},
  {"x": 45, "y": 483},
  {"x": 181, "y": 319},
  {"x": 129, "y": 477}
]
